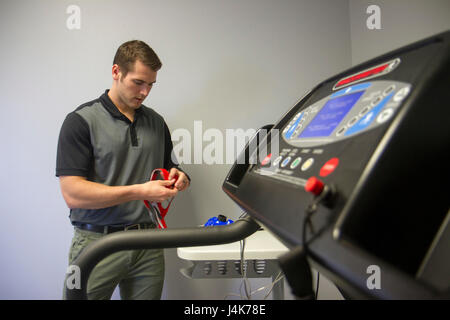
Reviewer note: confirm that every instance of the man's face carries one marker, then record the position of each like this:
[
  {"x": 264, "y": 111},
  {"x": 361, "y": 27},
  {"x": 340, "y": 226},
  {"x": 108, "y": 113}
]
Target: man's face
[{"x": 136, "y": 85}]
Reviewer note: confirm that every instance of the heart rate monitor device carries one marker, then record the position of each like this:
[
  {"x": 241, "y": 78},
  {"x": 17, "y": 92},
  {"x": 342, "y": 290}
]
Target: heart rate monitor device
[{"x": 220, "y": 220}]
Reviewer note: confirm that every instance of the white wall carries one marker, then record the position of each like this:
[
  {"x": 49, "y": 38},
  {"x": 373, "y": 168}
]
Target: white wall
[{"x": 402, "y": 22}]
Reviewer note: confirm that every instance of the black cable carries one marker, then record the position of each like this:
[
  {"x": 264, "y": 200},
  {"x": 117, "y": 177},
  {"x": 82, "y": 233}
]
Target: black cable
[
  {"x": 317, "y": 284},
  {"x": 325, "y": 196},
  {"x": 243, "y": 214},
  {"x": 310, "y": 210},
  {"x": 295, "y": 264},
  {"x": 307, "y": 222}
]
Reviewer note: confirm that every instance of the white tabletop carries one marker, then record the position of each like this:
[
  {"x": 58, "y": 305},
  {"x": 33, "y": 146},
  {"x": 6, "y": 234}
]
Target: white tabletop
[{"x": 260, "y": 245}]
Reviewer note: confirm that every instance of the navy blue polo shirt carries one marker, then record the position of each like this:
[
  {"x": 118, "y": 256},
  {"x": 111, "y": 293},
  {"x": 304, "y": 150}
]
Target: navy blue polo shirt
[{"x": 100, "y": 143}]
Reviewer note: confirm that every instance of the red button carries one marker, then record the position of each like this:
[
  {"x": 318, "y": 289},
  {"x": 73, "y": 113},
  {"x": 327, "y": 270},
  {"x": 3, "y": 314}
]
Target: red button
[
  {"x": 329, "y": 167},
  {"x": 314, "y": 185},
  {"x": 266, "y": 159}
]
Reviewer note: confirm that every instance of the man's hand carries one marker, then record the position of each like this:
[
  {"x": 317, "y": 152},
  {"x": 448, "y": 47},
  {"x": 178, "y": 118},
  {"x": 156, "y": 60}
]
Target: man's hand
[
  {"x": 182, "y": 181},
  {"x": 158, "y": 190},
  {"x": 81, "y": 193}
]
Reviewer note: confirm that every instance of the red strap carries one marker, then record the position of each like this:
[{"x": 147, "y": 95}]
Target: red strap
[{"x": 164, "y": 174}]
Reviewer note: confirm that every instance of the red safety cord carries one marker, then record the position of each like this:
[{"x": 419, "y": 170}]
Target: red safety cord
[{"x": 159, "y": 212}]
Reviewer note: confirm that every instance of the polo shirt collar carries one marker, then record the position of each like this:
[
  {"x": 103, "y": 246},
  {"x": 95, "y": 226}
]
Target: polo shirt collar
[{"x": 112, "y": 109}]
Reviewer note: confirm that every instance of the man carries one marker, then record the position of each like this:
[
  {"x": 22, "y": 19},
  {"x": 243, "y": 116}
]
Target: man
[{"x": 107, "y": 150}]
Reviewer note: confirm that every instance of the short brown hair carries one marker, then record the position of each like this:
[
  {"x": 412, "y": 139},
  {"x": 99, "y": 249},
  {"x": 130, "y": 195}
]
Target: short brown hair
[{"x": 133, "y": 50}]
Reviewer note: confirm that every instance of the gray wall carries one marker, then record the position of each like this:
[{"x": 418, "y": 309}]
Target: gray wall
[
  {"x": 402, "y": 22},
  {"x": 230, "y": 64}
]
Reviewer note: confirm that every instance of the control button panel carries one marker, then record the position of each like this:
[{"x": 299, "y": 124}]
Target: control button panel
[
  {"x": 297, "y": 170},
  {"x": 345, "y": 113},
  {"x": 341, "y": 115}
]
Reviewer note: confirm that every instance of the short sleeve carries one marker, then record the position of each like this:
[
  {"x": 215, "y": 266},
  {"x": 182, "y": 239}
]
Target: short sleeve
[
  {"x": 74, "y": 154},
  {"x": 170, "y": 160}
]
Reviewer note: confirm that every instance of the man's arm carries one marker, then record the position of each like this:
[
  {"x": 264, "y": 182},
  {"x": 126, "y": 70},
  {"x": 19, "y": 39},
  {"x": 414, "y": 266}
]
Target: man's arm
[
  {"x": 81, "y": 193},
  {"x": 171, "y": 164}
]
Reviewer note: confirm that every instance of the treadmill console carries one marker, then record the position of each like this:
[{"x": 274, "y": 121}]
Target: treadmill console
[{"x": 376, "y": 139}]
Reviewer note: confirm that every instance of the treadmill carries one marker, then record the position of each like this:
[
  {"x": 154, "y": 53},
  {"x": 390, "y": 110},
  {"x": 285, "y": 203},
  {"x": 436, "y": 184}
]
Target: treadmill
[{"x": 353, "y": 179}]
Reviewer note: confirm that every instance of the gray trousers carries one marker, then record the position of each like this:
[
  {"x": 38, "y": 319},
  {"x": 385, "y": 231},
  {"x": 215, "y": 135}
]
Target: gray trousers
[{"x": 138, "y": 273}]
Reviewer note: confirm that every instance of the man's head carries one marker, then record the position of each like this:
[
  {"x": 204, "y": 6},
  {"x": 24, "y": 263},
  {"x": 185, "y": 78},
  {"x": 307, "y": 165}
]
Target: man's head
[
  {"x": 134, "y": 71},
  {"x": 131, "y": 51}
]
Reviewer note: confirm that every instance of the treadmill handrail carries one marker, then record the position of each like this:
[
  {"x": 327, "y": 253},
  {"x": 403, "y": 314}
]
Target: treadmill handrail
[{"x": 154, "y": 239}]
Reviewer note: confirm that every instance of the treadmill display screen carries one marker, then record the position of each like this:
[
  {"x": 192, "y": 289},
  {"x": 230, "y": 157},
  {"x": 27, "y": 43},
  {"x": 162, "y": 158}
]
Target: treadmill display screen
[{"x": 330, "y": 116}]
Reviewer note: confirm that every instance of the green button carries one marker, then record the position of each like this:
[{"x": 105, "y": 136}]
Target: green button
[{"x": 296, "y": 162}]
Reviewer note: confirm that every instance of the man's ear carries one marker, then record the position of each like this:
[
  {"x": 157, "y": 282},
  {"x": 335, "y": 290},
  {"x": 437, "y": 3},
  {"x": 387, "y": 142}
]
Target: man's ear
[{"x": 116, "y": 72}]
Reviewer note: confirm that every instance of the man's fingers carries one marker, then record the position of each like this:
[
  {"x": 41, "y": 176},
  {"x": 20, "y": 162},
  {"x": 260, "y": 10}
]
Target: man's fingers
[
  {"x": 167, "y": 183},
  {"x": 180, "y": 184},
  {"x": 166, "y": 193},
  {"x": 173, "y": 173}
]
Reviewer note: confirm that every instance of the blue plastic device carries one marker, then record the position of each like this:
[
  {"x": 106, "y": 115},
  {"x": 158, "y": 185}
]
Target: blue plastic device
[{"x": 218, "y": 221}]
